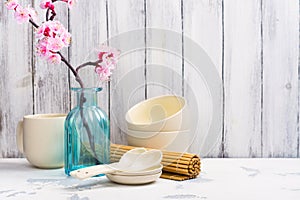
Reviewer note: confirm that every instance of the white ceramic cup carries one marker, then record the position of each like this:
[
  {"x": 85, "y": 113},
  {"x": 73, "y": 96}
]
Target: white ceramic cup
[
  {"x": 162, "y": 113},
  {"x": 41, "y": 138}
]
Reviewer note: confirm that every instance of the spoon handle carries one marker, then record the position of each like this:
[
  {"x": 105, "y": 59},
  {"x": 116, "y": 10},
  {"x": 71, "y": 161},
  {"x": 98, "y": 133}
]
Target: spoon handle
[{"x": 88, "y": 172}]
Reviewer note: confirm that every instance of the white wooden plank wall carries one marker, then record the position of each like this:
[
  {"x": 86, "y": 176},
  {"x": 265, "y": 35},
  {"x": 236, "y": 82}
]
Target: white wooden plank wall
[
  {"x": 254, "y": 45},
  {"x": 128, "y": 84},
  {"x": 202, "y": 22},
  {"x": 15, "y": 79},
  {"x": 280, "y": 75},
  {"x": 164, "y": 69},
  {"x": 242, "y": 78}
]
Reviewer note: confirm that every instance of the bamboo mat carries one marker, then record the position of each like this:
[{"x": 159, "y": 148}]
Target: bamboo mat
[{"x": 176, "y": 165}]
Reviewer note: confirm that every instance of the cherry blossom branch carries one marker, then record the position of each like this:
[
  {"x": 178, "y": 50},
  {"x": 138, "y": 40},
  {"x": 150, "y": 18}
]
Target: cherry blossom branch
[
  {"x": 95, "y": 63},
  {"x": 75, "y": 73},
  {"x": 52, "y": 37},
  {"x": 53, "y": 15},
  {"x": 47, "y": 14},
  {"x": 63, "y": 59},
  {"x": 33, "y": 23}
]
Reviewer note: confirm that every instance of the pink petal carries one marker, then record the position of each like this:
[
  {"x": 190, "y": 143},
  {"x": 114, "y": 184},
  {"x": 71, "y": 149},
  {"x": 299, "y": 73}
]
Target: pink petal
[
  {"x": 54, "y": 59},
  {"x": 11, "y": 4},
  {"x": 21, "y": 15}
]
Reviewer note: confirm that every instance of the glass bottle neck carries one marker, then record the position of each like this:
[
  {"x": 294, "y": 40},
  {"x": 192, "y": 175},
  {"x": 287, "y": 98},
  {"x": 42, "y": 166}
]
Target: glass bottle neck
[{"x": 87, "y": 96}]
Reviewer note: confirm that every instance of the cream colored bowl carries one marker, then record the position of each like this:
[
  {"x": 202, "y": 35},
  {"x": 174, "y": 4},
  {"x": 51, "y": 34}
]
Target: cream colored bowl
[
  {"x": 170, "y": 141},
  {"x": 162, "y": 113}
]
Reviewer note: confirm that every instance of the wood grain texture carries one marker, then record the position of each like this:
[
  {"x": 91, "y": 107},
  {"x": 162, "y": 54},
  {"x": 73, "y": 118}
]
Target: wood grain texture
[
  {"x": 128, "y": 81},
  {"x": 88, "y": 28},
  {"x": 202, "y": 22},
  {"x": 254, "y": 44},
  {"x": 280, "y": 86},
  {"x": 51, "y": 82},
  {"x": 164, "y": 69},
  {"x": 242, "y": 77},
  {"x": 15, "y": 78}
]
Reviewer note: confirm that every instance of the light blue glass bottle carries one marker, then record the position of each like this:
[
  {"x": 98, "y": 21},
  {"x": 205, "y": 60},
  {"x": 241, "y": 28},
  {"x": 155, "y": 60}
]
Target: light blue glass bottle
[{"x": 87, "y": 135}]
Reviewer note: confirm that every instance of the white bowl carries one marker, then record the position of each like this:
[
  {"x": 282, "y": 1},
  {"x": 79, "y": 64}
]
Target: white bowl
[
  {"x": 162, "y": 113},
  {"x": 133, "y": 180},
  {"x": 170, "y": 141}
]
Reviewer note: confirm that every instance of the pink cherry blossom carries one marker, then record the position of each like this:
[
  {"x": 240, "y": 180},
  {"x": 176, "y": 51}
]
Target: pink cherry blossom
[
  {"x": 108, "y": 51},
  {"x": 11, "y": 4},
  {"x": 108, "y": 55},
  {"x": 45, "y": 4},
  {"x": 55, "y": 44},
  {"x": 54, "y": 58},
  {"x": 109, "y": 59},
  {"x": 21, "y": 15},
  {"x": 52, "y": 37},
  {"x": 58, "y": 36},
  {"x": 42, "y": 49},
  {"x": 103, "y": 72},
  {"x": 66, "y": 38}
]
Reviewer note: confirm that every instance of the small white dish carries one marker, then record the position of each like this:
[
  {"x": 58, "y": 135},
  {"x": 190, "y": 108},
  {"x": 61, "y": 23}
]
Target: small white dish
[
  {"x": 149, "y": 171},
  {"x": 133, "y": 180}
]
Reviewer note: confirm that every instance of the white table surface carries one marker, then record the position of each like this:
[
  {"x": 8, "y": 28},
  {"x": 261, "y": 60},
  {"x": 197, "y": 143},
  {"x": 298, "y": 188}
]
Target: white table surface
[{"x": 220, "y": 179}]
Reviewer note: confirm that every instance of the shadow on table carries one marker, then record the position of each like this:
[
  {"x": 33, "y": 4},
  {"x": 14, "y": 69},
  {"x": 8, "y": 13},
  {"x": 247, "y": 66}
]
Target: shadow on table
[
  {"x": 98, "y": 183},
  {"x": 12, "y": 165}
]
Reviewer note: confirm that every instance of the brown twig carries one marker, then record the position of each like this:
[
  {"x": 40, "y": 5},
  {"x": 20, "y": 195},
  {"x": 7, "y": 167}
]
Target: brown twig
[
  {"x": 95, "y": 63},
  {"x": 47, "y": 14},
  {"x": 53, "y": 15},
  {"x": 33, "y": 23}
]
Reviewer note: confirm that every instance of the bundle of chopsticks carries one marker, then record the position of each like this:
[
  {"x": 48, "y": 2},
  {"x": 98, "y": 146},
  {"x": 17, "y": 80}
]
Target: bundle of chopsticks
[{"x": 176, "y": 165}]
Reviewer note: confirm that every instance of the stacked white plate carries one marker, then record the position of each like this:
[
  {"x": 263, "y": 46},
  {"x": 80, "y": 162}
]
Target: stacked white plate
[{"x": 135, "y": 178}]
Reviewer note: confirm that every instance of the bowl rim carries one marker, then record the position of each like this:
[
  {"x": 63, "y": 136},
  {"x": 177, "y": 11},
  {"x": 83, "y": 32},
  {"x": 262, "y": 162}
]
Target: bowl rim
[
  {"x": 45, "y": 116},
  {"x": 151, "y": 99}
]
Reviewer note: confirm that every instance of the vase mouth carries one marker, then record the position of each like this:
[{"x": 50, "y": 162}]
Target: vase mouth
[{"x": 94, "y": 89}]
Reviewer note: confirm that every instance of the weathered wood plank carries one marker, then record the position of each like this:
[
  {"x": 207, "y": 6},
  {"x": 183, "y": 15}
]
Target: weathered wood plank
[
  {"x": 48, "y": 89},
  {"x": 88, "y": 28},
  {"x": 15, "y": 78},
  {"x": 202, "y": 22},
  {"x": 280, "y": 58},
  {"x": 51, "y": 83},
  {"x": 128, "y": 81},
  {"x": 164, "y": 69},
  {"x": 242, "y": 77}
]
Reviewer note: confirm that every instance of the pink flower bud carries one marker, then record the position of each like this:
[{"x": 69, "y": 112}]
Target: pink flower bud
[
  {"x": 45, "y": 4},
  {"x": 11, "y": 4},
  {"x": 70, "y": 3}
]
